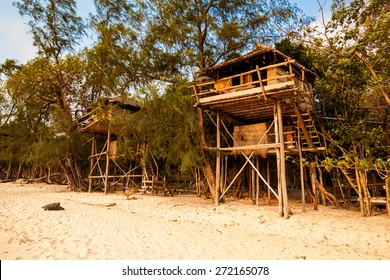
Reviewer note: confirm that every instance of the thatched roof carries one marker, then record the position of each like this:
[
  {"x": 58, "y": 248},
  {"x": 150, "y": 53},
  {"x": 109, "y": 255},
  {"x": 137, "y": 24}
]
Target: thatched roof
[
  {"x": 256, "y": 54},
  {"x": 124, "y": 102}
]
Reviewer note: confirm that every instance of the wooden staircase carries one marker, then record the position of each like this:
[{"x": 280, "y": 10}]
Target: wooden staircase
[
  {"x": 151, "y": 181},
  {"x": 308, "y": 134},
  {"x": 147, "y": 176}
]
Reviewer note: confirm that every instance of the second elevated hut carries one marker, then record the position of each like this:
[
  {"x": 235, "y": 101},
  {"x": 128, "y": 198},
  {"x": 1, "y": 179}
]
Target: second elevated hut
[
  {"x": 268, "y": 95},
  {"x": 105, "y": 169}
]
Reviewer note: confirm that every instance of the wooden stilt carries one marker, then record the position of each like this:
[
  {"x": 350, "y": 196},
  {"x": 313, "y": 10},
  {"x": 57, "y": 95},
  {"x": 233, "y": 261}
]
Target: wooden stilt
[
  {"x": 282, "y": 161},
  {"x": 387, "y": 187},
  {"x": 253, "y": 183},
  {"x": 280, "y": 200},
  {"x": 301, "y": 171},
  {"x": 91, "y": 162},
  {"x": 218, "y": 161},
  {"x": 225, "y": 174},
  {"x": 222, "y": 184},
  {"x": 107, "y": 162},
  {"x": 269, "y": 180},
  {"x": 257, "y": 182}
]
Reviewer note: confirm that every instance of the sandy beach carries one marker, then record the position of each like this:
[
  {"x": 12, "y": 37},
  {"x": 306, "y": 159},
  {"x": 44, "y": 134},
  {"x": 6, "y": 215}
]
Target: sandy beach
[{"x": 98, "y": 227}]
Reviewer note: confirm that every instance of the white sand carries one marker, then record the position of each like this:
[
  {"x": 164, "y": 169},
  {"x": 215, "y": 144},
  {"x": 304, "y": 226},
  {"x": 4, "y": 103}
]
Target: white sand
[{"x": 180, "y": 227}]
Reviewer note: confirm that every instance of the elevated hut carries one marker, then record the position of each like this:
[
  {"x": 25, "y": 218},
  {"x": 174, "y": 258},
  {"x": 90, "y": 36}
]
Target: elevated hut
[
  {"x": 268, "y": 95},
  {"x": 105, "y": 168}
]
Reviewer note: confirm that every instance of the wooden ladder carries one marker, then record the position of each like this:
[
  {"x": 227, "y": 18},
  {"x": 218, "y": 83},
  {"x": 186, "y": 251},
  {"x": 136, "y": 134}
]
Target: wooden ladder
[
  {"x": 147, "y": 175},
  {"x": 311, "y": 130}
]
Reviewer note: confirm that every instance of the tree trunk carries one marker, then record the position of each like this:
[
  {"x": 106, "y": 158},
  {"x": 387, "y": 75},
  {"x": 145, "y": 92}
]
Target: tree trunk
[
  {"x": 319, "y": 186},
  {"x": 197, "y": 183},
  {"x": 364, "y": 195},
  {"x": 323, "y": 195},
  {"x": 341, "y": 188},
  {"x": 374, "y": 75},
  {"x": 72, "y": 174},
  {"x": 327, "y": 195},
  {"x": 313, "y": 177},
  {"x": 19, "y": 169},
  {"x": 8, "y": 176},
  {"x": 206, "y": 166},
  {"x": 49, "y": 175},
  {"x": 237, "y": 191}
]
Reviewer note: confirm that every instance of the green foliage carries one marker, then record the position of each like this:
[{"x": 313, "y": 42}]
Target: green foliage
[
  {"x": 203, "y": 33},
  {"x": 352, "y": 110},
  {"x": 297, "y": 51},
  {"x": 167, "y": 124},
  {"x": 55, "y": 26},
  {"x": 114, "y": 62},
  {"x": 353, "y": 68}
]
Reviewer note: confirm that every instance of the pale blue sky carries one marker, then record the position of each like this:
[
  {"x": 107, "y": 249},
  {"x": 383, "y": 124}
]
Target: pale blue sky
[{"x": 16, "y": 43}]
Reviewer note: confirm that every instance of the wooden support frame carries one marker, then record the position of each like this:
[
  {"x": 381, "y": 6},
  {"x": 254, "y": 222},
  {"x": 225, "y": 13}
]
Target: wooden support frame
[
  {"x": 301, "y": 171},
  {"x": 107, "y": 162},
  {"x": 91, "y": 162},
  {"x": 105, "y": 166},
  {"x": 101, "y": 162},
  {"x": 281, "y": 159},
  {"x": 268, "y": 180},
  {"x": 218, "y": 160},
  {"x": 248, "y": 160}
]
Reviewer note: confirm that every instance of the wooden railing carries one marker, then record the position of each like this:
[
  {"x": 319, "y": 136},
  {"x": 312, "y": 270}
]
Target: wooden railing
[{"x": 207, "y": 88}]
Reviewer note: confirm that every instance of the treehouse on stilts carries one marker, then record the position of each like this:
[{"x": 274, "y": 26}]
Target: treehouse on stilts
[
  {"x": 268, "y": 98},
  {"x": 107, "y": 167}
]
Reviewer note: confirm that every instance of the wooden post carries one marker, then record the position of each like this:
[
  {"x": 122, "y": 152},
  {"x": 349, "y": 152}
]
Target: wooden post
[
  {"x": 218, "y": 160},
  {"x": 301, "y": 171},
  {"x": 222, "y": 179},
  {"x": 269, "y": 180},
  {"x": 107, "y": 162},
  {"x": 91, "y": 163},
  {"x": 303, "y": 79},
  {"x": 280, "y": 199},
  {"x": 257, "y": 182},
  {"x": 261, "y": 82},
  {"x": 387, "y": 187},
  {"x": 225, "y": 174},
  {"x": 282, "y": 161},
  {"x": 253, "y": 183}
]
